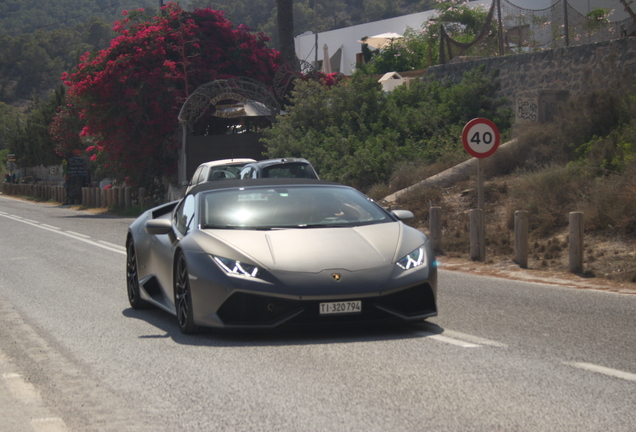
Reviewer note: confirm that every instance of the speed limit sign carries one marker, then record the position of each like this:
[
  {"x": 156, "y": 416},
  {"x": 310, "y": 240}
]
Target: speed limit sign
[{"x": 480, "y": 137}]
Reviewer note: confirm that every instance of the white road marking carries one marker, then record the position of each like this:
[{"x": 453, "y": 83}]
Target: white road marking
[
  {"x": 57, "y": 230},
  {"x": 473, "y": 339},
  {"x": 21, "y": 389},
  {"x": 78, "y": 234},
  {"x": 27, "y": 394},
  {"x": 52, "y": 424},
  {"x": 51, "y": 227},
  {"x": 452, "y": 341},
  {"x": 32, "y": 221},
  {"x": 604, "y": 370},
  {"x": 120, "y": 247},
  {"x": 463, "y": 340}
]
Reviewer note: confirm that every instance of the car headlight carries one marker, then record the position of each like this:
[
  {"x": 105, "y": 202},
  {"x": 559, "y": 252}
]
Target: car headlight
[
  {"x": 414, "y": 259},
  {"x": 235, "y": 267}
]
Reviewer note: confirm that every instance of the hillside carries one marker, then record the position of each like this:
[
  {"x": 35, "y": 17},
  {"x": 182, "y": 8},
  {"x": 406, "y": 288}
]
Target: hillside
[
  {"x": 28, "y": 16},
  {"x": 606, "y": 195},
  {"x": 41, "y": 39}
]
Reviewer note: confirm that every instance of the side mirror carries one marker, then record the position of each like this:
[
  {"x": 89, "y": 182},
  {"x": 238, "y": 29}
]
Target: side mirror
[
  {"x": 158, "y": 226},
  {"x": 403, "y": 214}
]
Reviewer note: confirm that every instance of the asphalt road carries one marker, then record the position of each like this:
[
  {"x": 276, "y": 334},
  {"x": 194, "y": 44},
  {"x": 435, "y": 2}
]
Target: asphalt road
[{"x": 501, "y": 356}]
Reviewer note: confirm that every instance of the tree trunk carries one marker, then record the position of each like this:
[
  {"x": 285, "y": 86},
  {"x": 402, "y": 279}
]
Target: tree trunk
[
  {"x": 629, "y": 10},
  {"x": 285, "y": 14}
]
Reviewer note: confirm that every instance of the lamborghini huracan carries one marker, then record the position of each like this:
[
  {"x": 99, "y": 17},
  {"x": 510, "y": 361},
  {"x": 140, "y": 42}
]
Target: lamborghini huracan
[{"x": 268, "y": 252}]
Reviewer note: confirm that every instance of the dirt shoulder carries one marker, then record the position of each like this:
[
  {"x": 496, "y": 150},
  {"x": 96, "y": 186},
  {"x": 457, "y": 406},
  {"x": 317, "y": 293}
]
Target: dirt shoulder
[{"x": 510, "y": 270}]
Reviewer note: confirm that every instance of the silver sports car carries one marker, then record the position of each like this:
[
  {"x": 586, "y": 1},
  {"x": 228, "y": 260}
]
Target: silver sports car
[{"x": 261, "y": 253}]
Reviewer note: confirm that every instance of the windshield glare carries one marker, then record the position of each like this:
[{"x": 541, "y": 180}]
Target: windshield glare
[{"x": 286, "y": 207}]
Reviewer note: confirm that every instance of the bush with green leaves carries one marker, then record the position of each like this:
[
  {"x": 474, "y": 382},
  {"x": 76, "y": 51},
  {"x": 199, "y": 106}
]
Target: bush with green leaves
[{"x": 355, "y": 133}]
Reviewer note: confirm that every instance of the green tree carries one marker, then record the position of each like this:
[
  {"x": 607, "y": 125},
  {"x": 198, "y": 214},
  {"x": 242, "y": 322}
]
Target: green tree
[
  {"x": 29, "y": 138},
  {"x": 355, "y": 133}
]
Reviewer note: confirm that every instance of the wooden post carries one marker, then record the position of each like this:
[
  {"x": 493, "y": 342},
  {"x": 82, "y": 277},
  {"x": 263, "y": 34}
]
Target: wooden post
[
  {"x": 435, "y": 228},
  {"x": 500, "y": 28},
  {"x": 566, "y": 24},
  {"x": 142, "y": 193},
  {"x": 521, "y": 238},
  {"x": 120, "y": 201},
  {"x": 477, "y": 243},
  {"x": 576, "y": 242},
  {"x": 127, "y": 198}
]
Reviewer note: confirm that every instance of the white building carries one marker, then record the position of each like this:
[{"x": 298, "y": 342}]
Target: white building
[
  {"x": 343, "y": 44},
  {"x": 346, "y": 39}
]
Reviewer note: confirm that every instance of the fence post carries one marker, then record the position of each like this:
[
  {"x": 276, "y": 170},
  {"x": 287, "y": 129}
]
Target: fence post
[
  {"x": 142, "y": 193},
  {"x": 521, "y": 238},
  {"x": 477, "y": 237},
  {"x": 127, "y": 199},
  {"x": 576, "y": 242},
  {"x": 435, "y": 228}
]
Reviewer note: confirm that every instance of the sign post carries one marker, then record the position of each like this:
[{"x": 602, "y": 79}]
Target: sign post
[{"x": 480, "y": 138}]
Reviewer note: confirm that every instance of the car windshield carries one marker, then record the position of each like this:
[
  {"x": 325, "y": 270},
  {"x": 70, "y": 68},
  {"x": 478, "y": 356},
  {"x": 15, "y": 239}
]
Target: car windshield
[
  {"x": 289, "y": 170},
  {"x": 289, "y": 207},
  {"x": 225, "y": 171}
]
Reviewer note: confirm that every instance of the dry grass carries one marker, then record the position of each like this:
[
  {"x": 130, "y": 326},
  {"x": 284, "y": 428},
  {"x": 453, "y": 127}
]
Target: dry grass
[
  {"x": 584, "y": 161},
  {"x": 609, "y": 253}
]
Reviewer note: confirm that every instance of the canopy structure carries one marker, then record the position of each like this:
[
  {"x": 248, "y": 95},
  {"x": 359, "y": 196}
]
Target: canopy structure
[
  {"x": 326, "y": 63},
  {"x": 382, "y": 41}
]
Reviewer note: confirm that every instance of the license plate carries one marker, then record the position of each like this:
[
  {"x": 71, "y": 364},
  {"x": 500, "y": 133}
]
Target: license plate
[{"x": 341, "y": 307}]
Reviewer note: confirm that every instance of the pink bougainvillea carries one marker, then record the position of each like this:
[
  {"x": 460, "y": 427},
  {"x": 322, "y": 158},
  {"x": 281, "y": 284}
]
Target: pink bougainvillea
[{"x": 126, "y": 98}]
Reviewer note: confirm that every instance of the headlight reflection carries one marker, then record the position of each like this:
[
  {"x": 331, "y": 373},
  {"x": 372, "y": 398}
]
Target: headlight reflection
[
  {"x": 414, "y": 259},
  {"x": 236, "y": 267}
]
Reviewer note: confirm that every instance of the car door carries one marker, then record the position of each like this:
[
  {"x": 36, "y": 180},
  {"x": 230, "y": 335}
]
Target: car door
[{"x": 164, "y": 246}]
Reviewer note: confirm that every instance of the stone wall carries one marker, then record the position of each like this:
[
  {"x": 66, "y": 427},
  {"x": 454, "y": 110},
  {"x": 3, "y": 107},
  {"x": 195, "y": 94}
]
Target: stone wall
[{"x": 534, "y": 82}]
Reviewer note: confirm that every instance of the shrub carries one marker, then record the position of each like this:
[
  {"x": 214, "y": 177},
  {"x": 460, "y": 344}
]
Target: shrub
[{"x": 355, "y": 133}]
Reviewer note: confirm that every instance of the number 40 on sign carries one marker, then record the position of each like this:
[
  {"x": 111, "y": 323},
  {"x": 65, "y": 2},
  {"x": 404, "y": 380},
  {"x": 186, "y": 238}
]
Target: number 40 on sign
[{"x": 480, "y": 137}]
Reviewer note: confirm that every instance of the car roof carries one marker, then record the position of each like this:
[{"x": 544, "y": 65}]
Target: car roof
[
  {"x": 268, "y": 162},
  {"x": 222, "y": 162},
  {"x": 261, "y": 182}
]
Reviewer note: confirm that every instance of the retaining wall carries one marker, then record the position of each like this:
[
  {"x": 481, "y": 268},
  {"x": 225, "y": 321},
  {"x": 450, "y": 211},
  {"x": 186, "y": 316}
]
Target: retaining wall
[{"x": 534, "y": 82}]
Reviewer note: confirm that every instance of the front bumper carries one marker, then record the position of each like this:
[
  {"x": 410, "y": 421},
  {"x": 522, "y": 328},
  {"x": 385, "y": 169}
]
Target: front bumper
[{"x": 250, "y": 310}]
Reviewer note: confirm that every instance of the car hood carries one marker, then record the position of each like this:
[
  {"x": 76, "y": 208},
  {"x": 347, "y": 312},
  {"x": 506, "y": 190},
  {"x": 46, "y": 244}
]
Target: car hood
[{"x": 316, "y": 249}]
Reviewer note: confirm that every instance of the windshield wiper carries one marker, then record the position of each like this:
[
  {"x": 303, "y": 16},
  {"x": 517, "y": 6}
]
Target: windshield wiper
[
  {"x": 322, "y": 226},
  {"x": 207, "y": 226},
  {"x": 243, "y": 227}
]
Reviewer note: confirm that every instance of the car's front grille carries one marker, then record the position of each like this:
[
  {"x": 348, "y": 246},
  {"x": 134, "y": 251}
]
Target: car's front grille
[
  {"x": 244, "y": 309},
  {"x": 251, "y": 309}
]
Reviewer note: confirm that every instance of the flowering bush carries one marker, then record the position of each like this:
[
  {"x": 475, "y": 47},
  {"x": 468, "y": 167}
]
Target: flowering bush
[{"x": 126, "y": 98}]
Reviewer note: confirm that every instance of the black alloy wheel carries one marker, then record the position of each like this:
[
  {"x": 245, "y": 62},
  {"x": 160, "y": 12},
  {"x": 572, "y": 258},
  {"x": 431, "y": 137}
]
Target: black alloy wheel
[
  {"x": 183, "y": 297},
  {"x": 132, "y": 279}
]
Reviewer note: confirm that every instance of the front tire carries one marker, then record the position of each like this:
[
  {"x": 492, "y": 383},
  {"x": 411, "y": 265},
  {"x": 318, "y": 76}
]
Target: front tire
[
  {"x": 132, "y": 279},
  {"x": 183, "y": 297}
]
